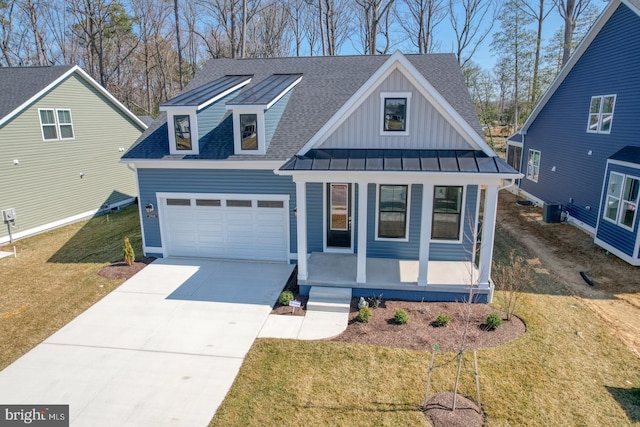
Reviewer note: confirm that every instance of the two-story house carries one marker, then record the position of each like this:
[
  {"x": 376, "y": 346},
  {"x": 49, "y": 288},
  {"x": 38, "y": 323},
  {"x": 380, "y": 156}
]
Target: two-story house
[
  {"x": 61, "y": 139},
  {"x": 369, "y": 172},
  {"x": 579, "y": 147}
]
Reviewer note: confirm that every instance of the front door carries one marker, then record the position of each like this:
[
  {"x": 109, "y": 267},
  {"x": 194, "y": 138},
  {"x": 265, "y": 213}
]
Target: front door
[{"x": 339, "y": 215}]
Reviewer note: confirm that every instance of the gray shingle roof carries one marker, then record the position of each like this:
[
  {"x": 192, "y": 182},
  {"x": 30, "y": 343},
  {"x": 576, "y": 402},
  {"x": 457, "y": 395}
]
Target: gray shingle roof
[
  {"x": 466, "y": 161},
  {"x": 19, "y": 84},
  {"x": 205, "y": 92},
  {"x": 327, "y": 83}
]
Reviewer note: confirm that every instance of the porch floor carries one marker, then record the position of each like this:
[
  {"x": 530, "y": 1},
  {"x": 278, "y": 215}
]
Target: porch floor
[{"x": 335, "y": 269}]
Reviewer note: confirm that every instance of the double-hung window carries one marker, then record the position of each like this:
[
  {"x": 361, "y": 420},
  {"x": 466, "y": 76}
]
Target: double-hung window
[
  {"x": 392, "y": 211},
  {"x": 447, "y": 213},
  {"x": 533, "y": 165},
  {"x": 601, "y": 113},
  {"x": 56, "y": 124},
  {"x": 622, "y": 200}
]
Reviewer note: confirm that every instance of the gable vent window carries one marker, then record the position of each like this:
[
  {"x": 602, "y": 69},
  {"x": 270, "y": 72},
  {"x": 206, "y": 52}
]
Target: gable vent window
[
  {"x": 182, "y": 128},
  {"x": 601, "y": 113},
  {"x": 56, "y": 124}
]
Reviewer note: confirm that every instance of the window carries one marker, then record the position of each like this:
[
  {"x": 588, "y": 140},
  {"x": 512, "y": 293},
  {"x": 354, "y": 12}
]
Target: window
[
  {"x": 48, "y": 123},
  {"x": 238, "y": 203},
  {"x": 248, "y": 127},
  {"x": 395, "y": 114},
  {"x": 533, "y": 165},
  {"x": 622, "y": 200},
  {"x": 601, "y": 113},
  {"x": 447, "y": 213},
  {"x": 56, "y": 124},
  {"x": 178, "y": 202},
  {"x": 65, "y": 125},
  {"x": 182, "y": 129},
  {"x": 392, "y": 211}
]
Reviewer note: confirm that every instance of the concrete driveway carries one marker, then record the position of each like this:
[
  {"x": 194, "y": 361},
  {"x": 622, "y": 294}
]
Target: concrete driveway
[{"x": 162, "y": 349}]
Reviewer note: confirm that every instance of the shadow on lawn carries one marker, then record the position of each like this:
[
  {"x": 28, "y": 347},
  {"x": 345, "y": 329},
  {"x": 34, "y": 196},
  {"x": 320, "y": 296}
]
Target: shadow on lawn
[
  {"x": 629, "y": 400},
  {"x": 100, "y": 239}
]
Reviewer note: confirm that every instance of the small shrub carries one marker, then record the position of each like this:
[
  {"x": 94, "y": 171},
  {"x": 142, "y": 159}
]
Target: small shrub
[
  {"x": 285, "y": 297},
  {"x": 129, "y": 255},
  {"x": 364, "y": 315},
  {"x": 493, "y": 321},
  {"x": 443, "y": 319},
  {"x": 401, "y": 317},
  {"x": 376, "y": 301}
]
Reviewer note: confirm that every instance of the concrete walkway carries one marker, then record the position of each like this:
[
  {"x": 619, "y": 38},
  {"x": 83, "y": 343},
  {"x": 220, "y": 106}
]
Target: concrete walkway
[{"x": 162, "y": 349}]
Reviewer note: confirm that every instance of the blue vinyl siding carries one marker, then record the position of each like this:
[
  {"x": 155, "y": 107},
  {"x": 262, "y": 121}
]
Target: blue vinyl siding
[
  {"x": 424, "y": 294},
  {"x": 152, "y": 181},
  {"x": 315, "y": 226},
  {"x": 613, "y": 234},
  {"x": 608, "y": 66},
  {"x": 272, "y": 117},
  {"x": 211, "y": 116}
]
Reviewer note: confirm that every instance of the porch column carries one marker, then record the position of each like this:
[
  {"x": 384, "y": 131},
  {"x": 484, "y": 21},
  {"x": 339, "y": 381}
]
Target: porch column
[
  {"x": 488, "y": 231},
  {"x": 425, "y": 233},
  {"x": 361, "y": 271},
  {"x": 301, "y": 225}
]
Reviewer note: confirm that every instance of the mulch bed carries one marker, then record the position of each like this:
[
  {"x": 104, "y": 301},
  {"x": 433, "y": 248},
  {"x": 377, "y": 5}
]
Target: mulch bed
[
  {"x": 467, "y": 413},
  {"x": 285, "y": 310},
  {"x": 120, "y": 269},
  {"x": 420, "y": 334}
]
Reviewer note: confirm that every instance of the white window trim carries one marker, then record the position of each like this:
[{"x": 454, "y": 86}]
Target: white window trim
[
  {"x": 620, "y": 202},
  {"x": 237, "y": 134},
  {"x": 56, "y": 124},
  {"x": 384, "y": 95},
  {"x": 377, "y": 214},
  {"x": 602, "y": 97},
  {"x": 193, "y": 124},
  {"x": 530, "y": 177},
  {"x": 463, "y": 208}
]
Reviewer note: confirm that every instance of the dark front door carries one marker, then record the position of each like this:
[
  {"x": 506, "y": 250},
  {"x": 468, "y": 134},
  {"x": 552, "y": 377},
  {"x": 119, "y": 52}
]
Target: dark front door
[{"x": 339, "y": 215}]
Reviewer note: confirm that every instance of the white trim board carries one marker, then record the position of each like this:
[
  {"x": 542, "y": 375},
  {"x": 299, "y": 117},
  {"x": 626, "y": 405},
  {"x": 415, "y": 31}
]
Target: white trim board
[{"x": 205, "y": 164}]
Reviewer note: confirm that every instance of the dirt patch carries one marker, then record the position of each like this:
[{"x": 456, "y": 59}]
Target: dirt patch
[
  {"x": 420, "y": 334},
  {"x": 563, "y": 251},
  {"x": 467, "y": 414},
  {"x": 120, "y": 270}
]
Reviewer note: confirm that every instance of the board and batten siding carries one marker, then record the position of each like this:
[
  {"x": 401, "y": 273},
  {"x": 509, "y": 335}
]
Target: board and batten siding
[
  {"x": 608, "y": 66},
  {"x": 45, "y": 186},
  {"x": 428, "y": 129},
  {"x": 218, "y": 181},
  {"x": 613, "y": 234}
]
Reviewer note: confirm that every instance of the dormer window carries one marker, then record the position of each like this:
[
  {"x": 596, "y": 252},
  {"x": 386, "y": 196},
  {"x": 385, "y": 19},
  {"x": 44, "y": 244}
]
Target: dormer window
[
  {"x": 249, "y": 130},
  {"x": 395, "y": 113},
  {"x": 182, "y": 129}
]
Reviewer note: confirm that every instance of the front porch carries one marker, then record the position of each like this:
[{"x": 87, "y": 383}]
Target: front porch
[{"x": 396, "y": 278}]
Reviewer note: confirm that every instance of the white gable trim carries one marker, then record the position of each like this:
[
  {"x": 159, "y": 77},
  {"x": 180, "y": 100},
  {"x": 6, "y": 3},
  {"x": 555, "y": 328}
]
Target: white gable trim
[
  {"x": 398, "y": 61},
  {"x": 573, "y": 59},
  {"x": 57, "y": 81}
]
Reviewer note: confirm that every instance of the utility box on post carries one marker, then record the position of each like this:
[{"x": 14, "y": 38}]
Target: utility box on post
[
  {"x": 9, "y": 215},
  {"x": 552, "y": 212}
]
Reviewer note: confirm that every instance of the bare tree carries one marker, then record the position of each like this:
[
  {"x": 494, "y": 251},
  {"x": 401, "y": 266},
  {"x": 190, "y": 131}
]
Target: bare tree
[
  {"x": 472, "y": 21},
  {"x": 374, "y": 17},
  {"x": 570, "y": 11},
  {"x": 420, "y": 20},
  {"x": 6, "y": 31},
  {"x": 538, "y": 10},
  {"x": 41, "y": 53}
]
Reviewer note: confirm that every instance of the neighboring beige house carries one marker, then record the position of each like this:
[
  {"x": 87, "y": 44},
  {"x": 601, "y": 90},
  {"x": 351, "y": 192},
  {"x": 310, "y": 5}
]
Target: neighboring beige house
[{"x": 61, "y": 138}]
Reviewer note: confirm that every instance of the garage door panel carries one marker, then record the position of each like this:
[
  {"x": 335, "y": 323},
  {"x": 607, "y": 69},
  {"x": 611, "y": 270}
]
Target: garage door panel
[{"x": 227, "y": 228}]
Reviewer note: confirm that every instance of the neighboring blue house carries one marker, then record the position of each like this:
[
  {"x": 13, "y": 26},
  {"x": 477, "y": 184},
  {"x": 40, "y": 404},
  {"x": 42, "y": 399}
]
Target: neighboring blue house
[
  {"x": 580, "y": 147},
  {"x": 366, "y": 171}
]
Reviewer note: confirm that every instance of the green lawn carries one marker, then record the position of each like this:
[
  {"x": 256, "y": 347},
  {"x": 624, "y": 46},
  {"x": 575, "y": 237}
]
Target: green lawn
[
  {"x": 54, "y": 278},
  {"x": 568, "y": 369}
]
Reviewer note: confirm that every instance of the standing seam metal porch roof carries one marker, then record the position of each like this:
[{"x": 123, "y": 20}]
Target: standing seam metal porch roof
[{"x": 465, "y": 161}]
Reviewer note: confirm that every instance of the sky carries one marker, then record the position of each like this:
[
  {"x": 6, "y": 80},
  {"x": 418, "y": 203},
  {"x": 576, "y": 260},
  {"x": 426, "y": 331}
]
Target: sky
[{"x": 483, "y": 56}]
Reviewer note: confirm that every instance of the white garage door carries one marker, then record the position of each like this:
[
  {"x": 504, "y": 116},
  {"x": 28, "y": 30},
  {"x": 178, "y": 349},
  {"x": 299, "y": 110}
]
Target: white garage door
[{"x": 231, "y": 226}]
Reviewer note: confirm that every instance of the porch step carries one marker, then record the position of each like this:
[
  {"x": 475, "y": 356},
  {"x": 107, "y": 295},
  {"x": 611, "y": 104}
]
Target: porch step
[{"x": 326, "y": 299}]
